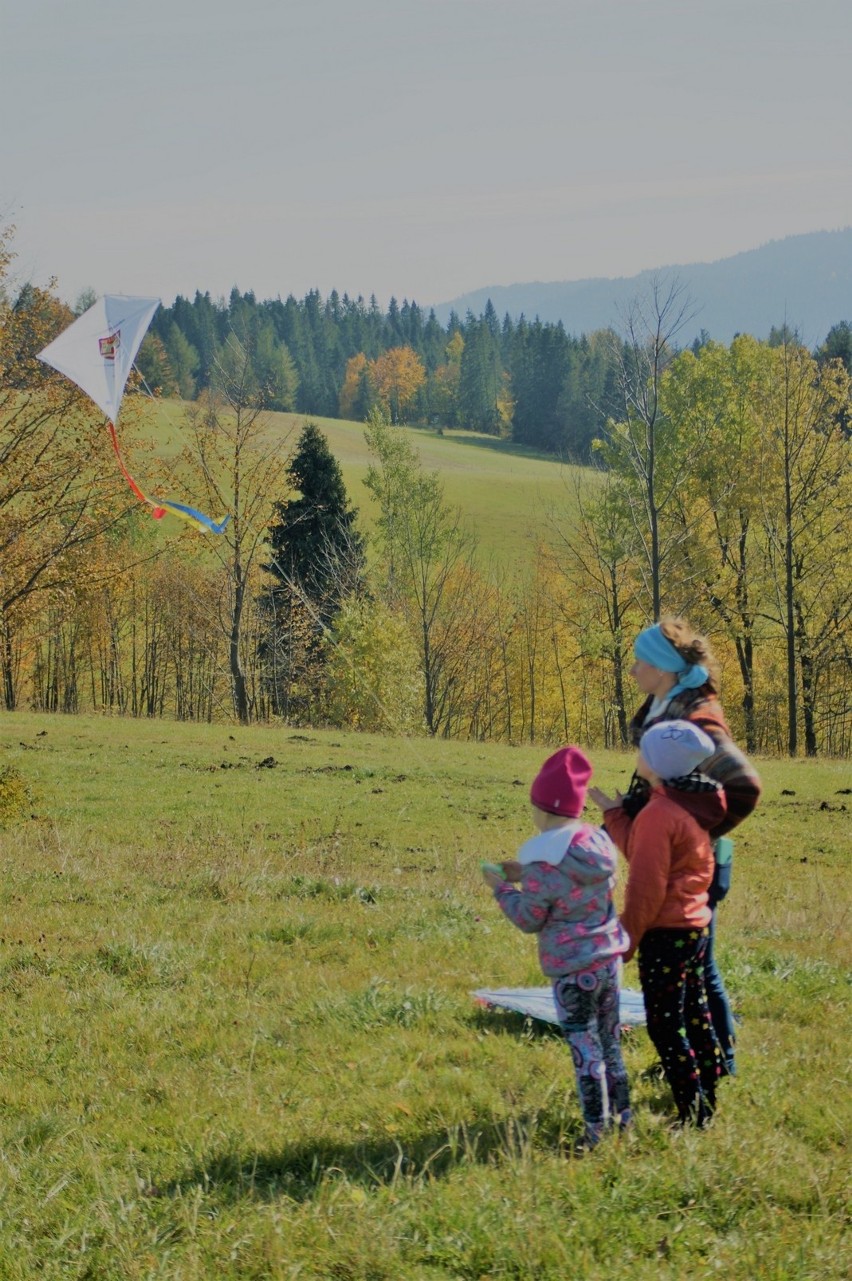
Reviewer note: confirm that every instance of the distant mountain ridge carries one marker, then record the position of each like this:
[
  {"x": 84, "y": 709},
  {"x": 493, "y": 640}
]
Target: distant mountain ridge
[{"x": 805, "y": 280}]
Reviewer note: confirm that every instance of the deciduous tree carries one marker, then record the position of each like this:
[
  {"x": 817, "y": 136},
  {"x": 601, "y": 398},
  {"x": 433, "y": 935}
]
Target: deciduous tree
[
  {"x": 805, "y": 481},
  {"x": 425, "y": 546},
  {"x": 236, "y": 464},
  {"x": 713, "y": 395},
  {"x": 59, "y": 489},
  {"x": 398, "y": 375},
  {"x": 644, "y": 446}
]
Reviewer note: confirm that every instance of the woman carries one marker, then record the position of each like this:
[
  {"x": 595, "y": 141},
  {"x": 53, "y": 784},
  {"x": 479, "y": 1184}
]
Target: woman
[{"x": 676, "y": 670}]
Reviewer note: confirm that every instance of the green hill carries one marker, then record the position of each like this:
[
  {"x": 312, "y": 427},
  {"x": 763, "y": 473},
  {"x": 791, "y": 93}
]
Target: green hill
[{"x": 505, "y": 491}]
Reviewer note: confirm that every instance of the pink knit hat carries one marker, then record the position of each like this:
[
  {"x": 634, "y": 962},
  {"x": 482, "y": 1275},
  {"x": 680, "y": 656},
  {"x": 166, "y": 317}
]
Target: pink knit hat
[{"x": 559, "y": 787}]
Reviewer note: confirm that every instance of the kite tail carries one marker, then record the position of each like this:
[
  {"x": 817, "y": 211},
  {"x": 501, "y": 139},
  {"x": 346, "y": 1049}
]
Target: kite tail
[
  {"x": 159, "y": 506},
  {"x": 156, "y": 511},
  {"x": 196, "y": 518}
]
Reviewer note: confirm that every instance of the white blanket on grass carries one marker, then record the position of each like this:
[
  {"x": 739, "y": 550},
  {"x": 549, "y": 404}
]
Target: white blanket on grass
[{"x": 538, "y": 1003}]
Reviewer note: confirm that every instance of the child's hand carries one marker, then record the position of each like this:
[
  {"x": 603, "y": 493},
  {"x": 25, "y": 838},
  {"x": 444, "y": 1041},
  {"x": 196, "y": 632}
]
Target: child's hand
[
  {"x": 603, "y": 801},
  {"x": 511, "y": 869}
]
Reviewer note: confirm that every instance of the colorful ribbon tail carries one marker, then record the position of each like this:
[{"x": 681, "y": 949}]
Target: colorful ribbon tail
[
  {"x": 196, "y": 518},
  {"x": 156, "y": 511},
  {"x": 159, "y": 506}
]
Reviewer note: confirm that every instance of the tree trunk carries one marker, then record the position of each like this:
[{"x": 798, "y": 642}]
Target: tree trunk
[
  {"x": 618, "y": 660},
  {"x": 429, "y": 681},
  {"x": 745, "y": 658},
  {"x": 10, "y": 700},
  {"x": 655, "y": 548},
  {"x": 792, "y": 696},
  {"x": 238, "y": 681},
  {"x": 806, "y": 669}
]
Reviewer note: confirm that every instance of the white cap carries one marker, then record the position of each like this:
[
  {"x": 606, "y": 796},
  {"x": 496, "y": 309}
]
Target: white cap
[{"x": 675, "y": 748}]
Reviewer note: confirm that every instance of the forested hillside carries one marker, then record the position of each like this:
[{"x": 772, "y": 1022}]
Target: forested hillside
[
  {"x": 525, "y": 379},
  {"x": 341, "y": 357}
]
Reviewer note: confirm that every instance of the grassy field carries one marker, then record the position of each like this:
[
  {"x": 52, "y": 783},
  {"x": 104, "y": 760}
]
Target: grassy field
[
  {"x": 239, "y": 1040},
  {"x": 504, "y": 491}
]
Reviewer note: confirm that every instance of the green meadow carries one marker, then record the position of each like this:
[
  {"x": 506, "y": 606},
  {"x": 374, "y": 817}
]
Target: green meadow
[
  {"x": 506, "y": 492},
  {"x": 239, "y": 1041}
]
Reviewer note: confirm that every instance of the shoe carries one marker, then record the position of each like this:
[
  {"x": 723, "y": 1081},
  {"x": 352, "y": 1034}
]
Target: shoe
[
  {"x": 625, "y": 1123},
  {"x": 588, "y": 1141}
]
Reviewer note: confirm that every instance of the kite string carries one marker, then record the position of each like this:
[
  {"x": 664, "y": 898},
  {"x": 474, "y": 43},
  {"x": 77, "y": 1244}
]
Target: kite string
[{"x": 409, "y": 739}]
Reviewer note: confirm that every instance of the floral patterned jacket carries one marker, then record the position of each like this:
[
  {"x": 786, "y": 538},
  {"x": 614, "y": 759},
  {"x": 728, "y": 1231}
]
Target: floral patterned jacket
[{"x": 565, "y": 897}]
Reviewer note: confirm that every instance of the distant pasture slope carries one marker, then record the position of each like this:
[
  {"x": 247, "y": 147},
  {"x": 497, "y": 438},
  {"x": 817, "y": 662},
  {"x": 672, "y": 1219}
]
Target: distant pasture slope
[{"x": 505, "y": 492}]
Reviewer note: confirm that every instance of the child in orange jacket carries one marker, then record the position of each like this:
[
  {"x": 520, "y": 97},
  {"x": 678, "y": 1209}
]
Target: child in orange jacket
[{"x": 666, "y": 909}]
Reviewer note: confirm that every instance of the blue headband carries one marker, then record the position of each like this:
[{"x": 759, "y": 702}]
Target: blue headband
[{"x": 654, "y": 647}]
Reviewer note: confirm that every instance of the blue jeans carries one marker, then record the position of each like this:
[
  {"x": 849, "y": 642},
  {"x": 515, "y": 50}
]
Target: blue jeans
[{"x": 720, "y": 1007}]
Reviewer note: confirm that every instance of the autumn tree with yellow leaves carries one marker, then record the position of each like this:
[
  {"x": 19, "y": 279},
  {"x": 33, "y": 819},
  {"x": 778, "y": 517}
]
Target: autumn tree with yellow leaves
[
  {"x": 60, "y": 492},
  {"x": 391, "y": 382},
  {"x": 398, "y": 375}
]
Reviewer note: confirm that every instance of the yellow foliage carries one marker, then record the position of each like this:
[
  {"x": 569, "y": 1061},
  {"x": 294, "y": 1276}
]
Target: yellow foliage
[
  {"x": 372, "y": 673},
  {"x": 398, "y": 374},
  {"x": 355, "y": 368}
]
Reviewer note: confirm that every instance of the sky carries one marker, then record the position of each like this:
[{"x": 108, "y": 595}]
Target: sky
[{"x": 412, "y": 148}]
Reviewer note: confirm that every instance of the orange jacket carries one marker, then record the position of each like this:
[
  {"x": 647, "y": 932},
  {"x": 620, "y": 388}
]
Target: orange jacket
[{"x": 671, "y": 860}]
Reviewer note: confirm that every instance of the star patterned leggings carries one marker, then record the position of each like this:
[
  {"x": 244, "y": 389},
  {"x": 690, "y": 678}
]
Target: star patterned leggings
[
  {"x": 587, "y": 1004},
  {"x": 671, "y": 971}
]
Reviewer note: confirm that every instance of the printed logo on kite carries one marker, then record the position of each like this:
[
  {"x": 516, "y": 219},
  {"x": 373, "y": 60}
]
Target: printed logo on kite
[{"x": 109, "y": 346}]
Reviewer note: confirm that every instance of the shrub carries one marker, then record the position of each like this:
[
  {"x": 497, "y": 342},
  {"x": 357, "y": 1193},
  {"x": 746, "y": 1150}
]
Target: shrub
[{"x": 16, "y": 797}]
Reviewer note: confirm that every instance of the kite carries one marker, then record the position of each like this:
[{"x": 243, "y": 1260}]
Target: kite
[
  {"x": 97, "y": 352},
  {"x": 538, "y": 1003}
]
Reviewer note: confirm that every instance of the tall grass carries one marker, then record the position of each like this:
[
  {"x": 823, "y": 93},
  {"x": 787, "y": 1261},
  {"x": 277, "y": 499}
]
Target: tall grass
[{"x": 239, "y": 1040}]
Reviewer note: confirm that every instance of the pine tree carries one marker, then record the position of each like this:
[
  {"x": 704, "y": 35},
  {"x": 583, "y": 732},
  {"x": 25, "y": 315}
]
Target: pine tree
[
  {"x": 481, "y": 379},
  {"x": 315, "y": 545},
  {"x": 317, "y": 559}
]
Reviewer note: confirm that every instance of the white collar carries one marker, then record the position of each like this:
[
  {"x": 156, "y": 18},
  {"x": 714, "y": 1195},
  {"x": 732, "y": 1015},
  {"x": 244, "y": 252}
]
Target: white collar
[
  {"x": 550, "y": 846},
  {"x": 659, "y": 705}
]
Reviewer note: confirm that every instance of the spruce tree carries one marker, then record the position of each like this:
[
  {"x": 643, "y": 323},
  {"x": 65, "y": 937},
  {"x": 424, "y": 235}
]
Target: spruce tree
[
  {"x": 317, "y": 560},
  {"x": 316, "y": 549}
]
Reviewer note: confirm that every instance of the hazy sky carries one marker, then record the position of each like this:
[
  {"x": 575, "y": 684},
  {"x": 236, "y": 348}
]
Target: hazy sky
[{"x": 419, "y": 148}]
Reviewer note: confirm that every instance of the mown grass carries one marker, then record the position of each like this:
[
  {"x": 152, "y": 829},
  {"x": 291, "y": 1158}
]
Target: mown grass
[
  {"x": 505, "y": 491},
  {"x": 239, "y": 1041}
]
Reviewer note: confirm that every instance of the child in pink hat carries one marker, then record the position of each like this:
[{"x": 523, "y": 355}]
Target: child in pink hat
[{"x": 565, "y": 897}]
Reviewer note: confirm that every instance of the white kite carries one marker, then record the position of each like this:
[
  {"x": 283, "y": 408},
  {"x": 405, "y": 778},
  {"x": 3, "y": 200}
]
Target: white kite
[{"x": 97, "y": 352}]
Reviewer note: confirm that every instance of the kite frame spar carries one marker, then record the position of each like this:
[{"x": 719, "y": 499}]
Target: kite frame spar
[{"x": 97, "y": 352}]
